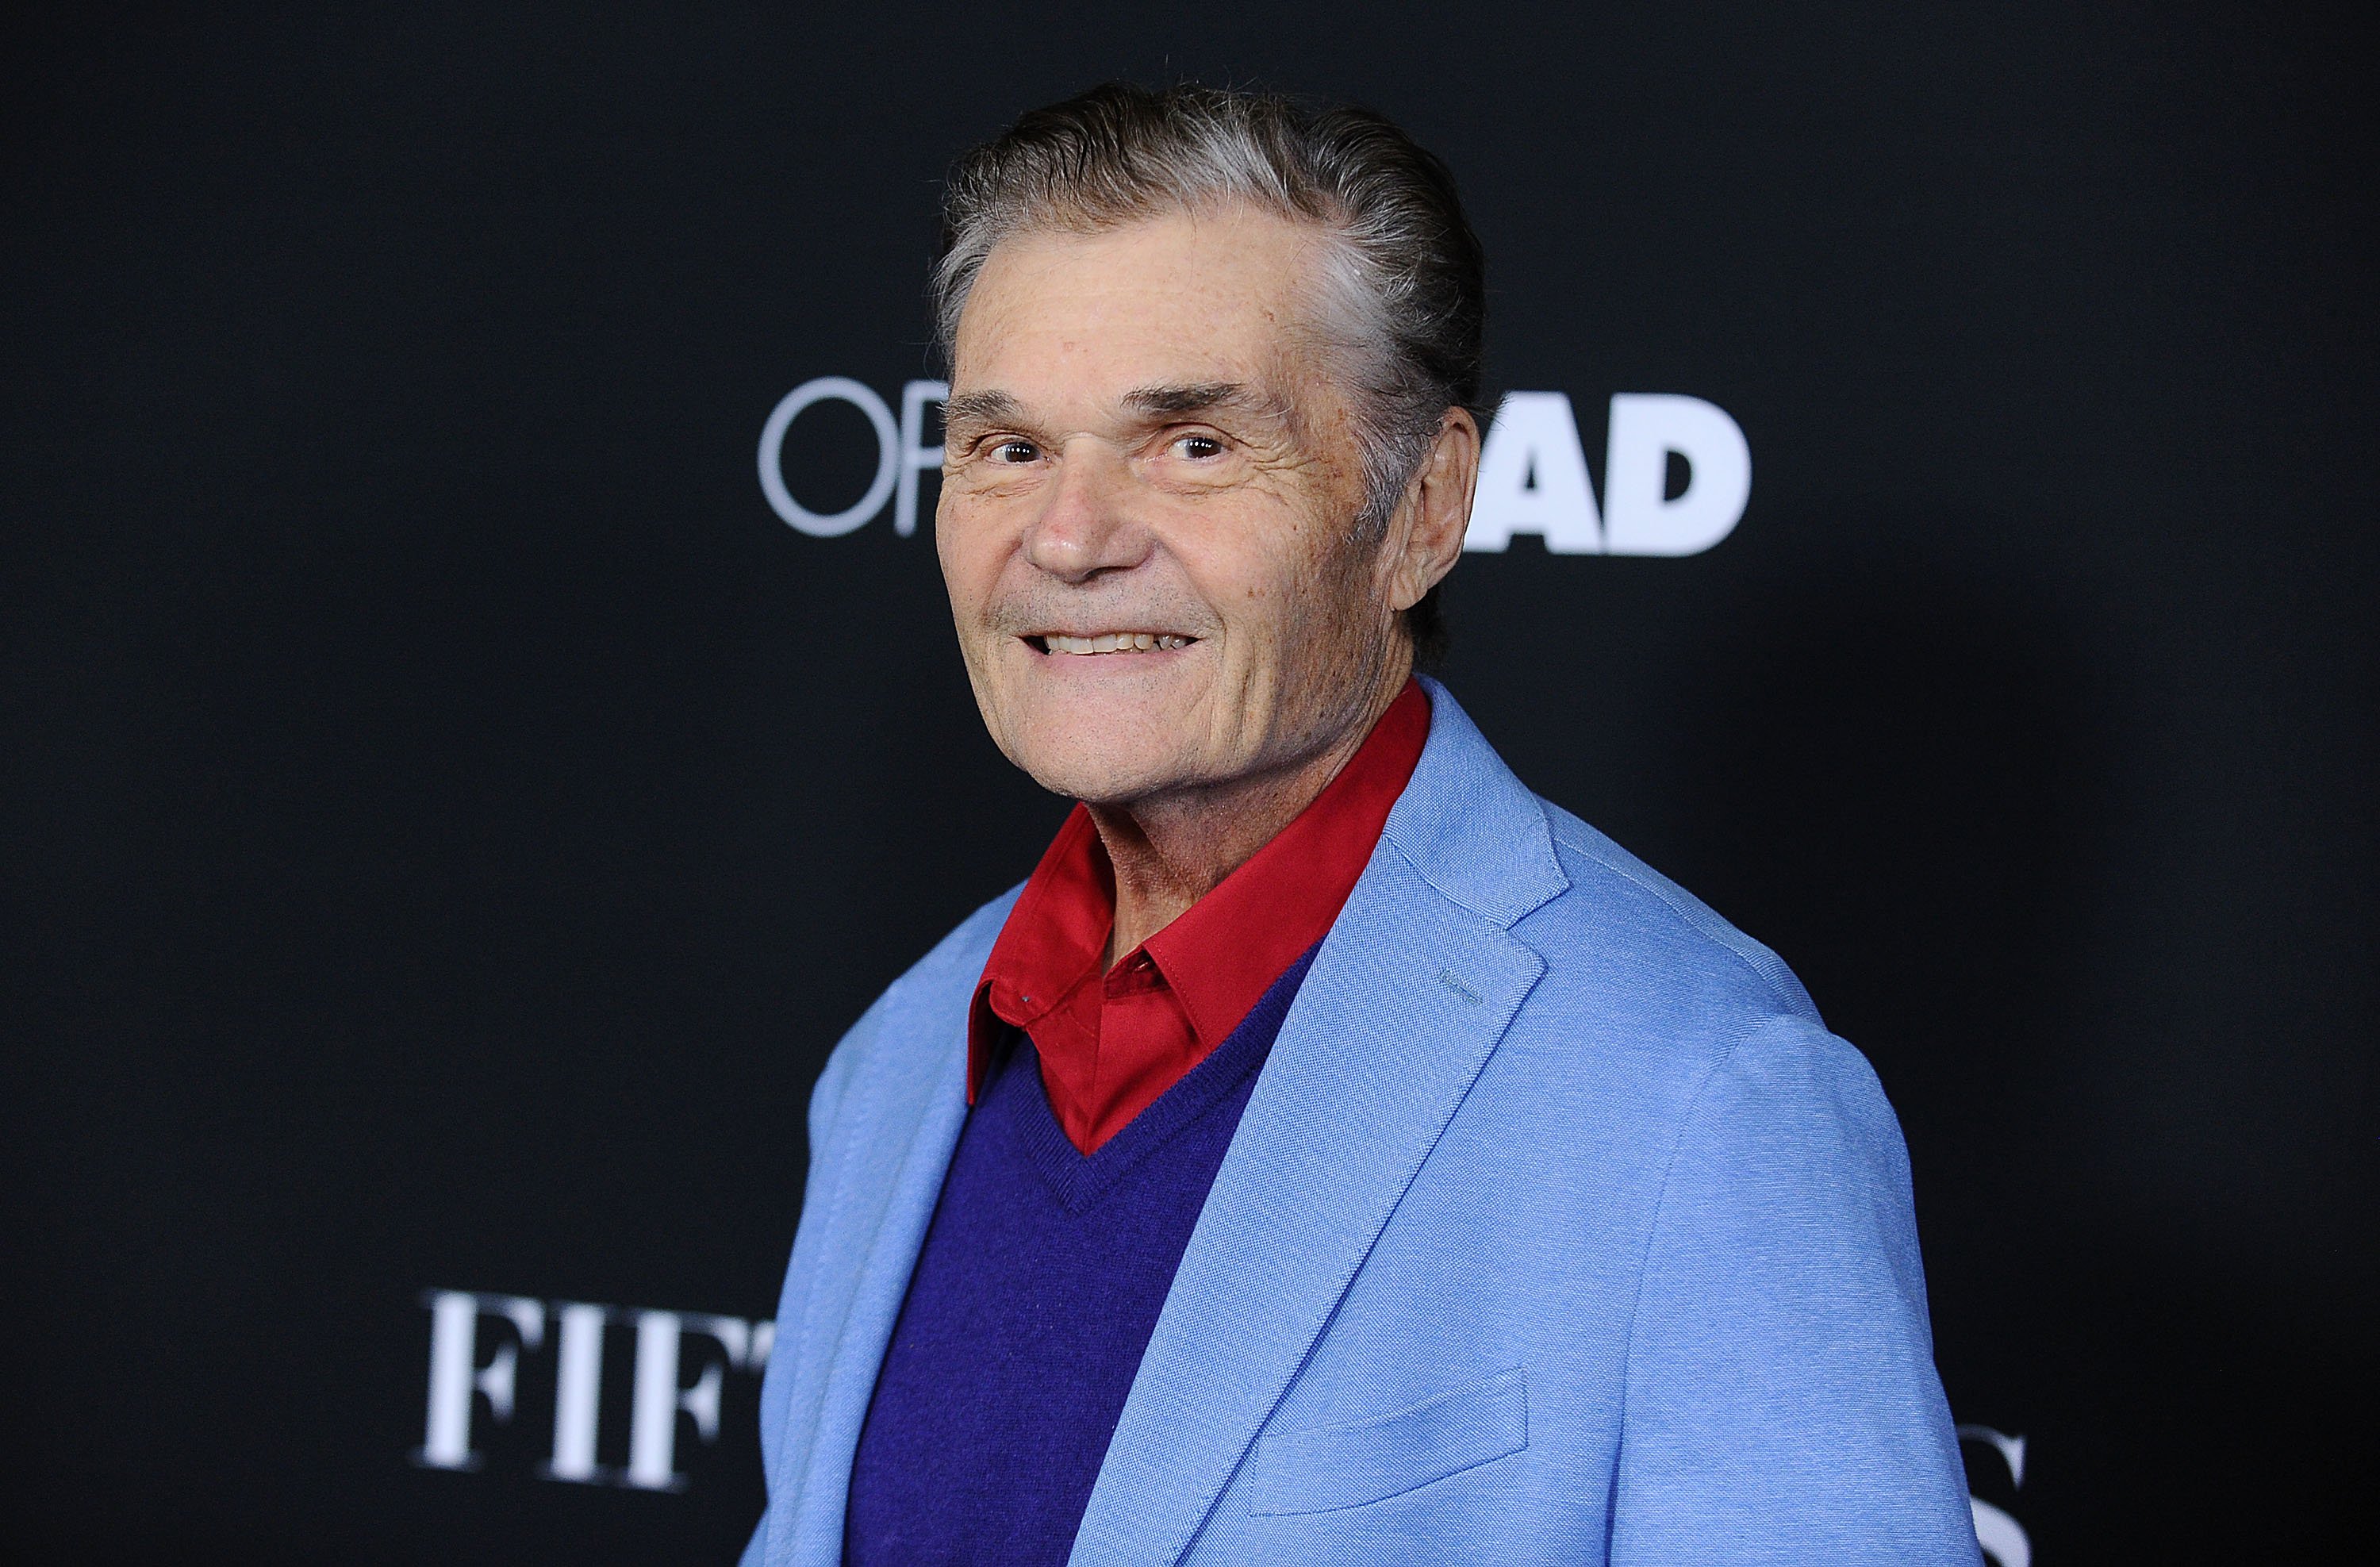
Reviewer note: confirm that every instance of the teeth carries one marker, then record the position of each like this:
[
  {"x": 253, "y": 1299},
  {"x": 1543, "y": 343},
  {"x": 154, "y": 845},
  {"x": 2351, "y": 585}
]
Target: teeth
[{"x": 1117, "y": 642}]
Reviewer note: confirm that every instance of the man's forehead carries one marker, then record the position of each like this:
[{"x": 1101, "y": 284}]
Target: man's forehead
[{"x": 1161, "y": 304}]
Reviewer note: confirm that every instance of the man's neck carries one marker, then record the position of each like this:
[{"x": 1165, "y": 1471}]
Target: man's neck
[{"x": 1169, "y": 850}]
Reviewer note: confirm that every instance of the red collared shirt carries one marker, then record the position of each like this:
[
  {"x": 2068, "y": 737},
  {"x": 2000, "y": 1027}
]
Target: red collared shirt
[{"x": 1111, "y": 1043}]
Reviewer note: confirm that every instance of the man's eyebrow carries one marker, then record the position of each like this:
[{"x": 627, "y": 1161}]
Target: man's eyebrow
[
  {"x": 1162, "y": 402},
  {"x": 982, "y": 407},
  {"x": 994, "y": 407}
]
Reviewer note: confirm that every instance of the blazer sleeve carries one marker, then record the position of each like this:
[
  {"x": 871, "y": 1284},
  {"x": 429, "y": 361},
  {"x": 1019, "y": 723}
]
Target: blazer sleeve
[{"x": 1782, "y": 1403}]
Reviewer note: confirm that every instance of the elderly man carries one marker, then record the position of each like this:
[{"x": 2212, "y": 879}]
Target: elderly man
[{"x": 1332, "y": 1152}]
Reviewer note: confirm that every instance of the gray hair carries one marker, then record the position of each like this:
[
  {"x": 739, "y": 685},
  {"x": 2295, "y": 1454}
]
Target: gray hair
[{"x": 1404, "y": 300}]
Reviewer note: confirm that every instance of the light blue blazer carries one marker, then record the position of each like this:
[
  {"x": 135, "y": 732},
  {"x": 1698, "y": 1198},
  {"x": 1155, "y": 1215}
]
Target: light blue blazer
[{"x": 1558, "y": 1230}]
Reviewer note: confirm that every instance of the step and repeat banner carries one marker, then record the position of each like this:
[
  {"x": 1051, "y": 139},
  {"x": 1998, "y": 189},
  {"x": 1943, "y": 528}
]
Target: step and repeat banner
[{"x": 482, "y": 715}]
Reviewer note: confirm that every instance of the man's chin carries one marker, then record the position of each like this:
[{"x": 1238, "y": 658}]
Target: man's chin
[
  {"x": 1109, "y": 750},
  {"x": 1100, "y": 781}
]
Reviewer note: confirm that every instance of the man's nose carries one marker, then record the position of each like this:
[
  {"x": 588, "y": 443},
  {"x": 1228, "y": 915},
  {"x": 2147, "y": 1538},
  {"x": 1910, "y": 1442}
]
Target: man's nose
[{"x": 1084, "y": 527}]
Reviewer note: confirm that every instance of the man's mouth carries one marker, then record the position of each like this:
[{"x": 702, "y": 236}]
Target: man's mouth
[{"x": 1110, "y": 642}]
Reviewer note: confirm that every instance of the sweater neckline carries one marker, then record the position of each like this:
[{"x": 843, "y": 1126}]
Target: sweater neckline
[{"x": 1077, "y": 1179}]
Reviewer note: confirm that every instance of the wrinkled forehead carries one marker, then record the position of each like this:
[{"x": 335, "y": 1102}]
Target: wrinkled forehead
[{"x": 1186, "y": 298}]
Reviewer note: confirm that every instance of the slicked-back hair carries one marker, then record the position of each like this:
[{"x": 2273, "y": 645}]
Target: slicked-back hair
[{"x": 1402, "y": 299}]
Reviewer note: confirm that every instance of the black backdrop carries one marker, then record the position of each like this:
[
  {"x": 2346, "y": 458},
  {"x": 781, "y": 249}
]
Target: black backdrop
[{"x": 449, "y": 817}]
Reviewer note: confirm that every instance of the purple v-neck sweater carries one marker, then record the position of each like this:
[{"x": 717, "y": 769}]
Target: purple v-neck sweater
[{"x": 1039, "y": 1284}]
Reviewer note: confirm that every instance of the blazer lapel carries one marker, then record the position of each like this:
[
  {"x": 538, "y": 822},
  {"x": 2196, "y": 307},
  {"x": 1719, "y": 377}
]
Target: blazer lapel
[{"x": 1407, "y": 1000}]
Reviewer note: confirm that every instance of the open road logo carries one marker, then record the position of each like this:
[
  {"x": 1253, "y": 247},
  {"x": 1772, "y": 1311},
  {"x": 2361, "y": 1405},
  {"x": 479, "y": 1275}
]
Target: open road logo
[{"x": 1677, "y": 471}]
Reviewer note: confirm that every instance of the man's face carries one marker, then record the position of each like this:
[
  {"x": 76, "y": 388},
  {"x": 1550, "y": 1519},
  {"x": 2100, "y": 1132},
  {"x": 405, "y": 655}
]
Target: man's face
[{"x": 1147, "y": 509}]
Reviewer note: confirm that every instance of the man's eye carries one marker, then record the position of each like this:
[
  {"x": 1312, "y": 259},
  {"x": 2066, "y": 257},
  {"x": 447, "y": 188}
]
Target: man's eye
[
  {"x": 1015, "y": 451},
  {"x": 1199, "y": 446}
]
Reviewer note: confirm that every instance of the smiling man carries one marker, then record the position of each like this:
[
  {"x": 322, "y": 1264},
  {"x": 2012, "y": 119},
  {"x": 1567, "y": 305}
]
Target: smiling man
[{"x": 1332, "y": 1152}]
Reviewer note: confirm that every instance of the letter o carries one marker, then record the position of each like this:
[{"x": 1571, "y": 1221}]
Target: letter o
[{"x": 773, "y": 450}]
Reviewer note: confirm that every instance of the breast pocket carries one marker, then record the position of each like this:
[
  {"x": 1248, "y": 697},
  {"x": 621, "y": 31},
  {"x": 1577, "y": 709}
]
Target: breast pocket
[{"x": 1367, "y": 1461}]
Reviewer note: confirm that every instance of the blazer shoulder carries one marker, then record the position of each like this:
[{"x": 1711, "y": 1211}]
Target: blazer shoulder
[
  {"x": 1655, "y": 1017},
  {"x": 1626, "y": 943},
  {"x": 958, "y": 958},
  {"x": 925, "y": 1003}
]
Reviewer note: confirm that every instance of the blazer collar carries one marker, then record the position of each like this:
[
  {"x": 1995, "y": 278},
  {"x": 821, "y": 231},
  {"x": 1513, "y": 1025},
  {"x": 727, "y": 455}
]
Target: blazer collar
[
  {"x": 1407, "y": 998},
  {"x": 1472, "y": 830}
]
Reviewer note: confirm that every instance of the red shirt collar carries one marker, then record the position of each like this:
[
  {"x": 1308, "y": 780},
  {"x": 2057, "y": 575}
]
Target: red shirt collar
[{"x": 1216, "y": 960}]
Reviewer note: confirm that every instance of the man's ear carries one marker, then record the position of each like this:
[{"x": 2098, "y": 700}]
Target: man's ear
[{"x": 1426, "y": 537}]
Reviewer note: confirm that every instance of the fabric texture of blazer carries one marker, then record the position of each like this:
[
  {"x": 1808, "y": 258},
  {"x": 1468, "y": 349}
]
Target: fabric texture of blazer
[{"x": 1558, "y": 1229}]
